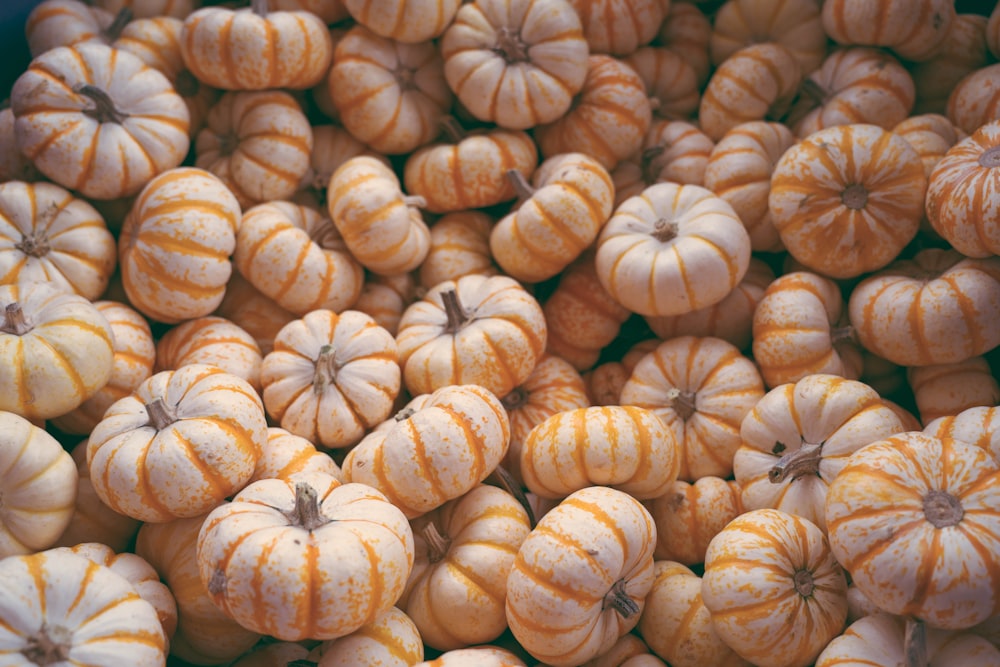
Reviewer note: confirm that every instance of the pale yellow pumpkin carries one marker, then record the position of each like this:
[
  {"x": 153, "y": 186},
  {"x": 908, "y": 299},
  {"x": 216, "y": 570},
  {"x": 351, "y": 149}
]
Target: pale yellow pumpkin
[
  {"x": 943, "y": 390},
  {"x": 689, "y": 515},
  {"x": 210, "y": 340},
  {"x": 391, "y": 640}
]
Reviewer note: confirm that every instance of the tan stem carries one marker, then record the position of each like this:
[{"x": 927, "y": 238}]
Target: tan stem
[
  {"x": 510, "y": 46},
  {"x": 14, "y": 320},
  {"x": 990, "y": 158},
  {"x": 684, "y": 402},
  {"x": 122, "y": 19},
  {"x": 259, "y": 7},
  {"x": 437, "y": 544},
  {"x": 844, "y": 334},
  {"x": 515, "y": 399},
  {"x": 415, "y": 201},
  {"x": 522, "y": 188},
  {"x": 104, "y": 110},
  {"x": 326, "y": 369},
  {"x": 307, "y": 512},
  {"x": 452, "y": 129},
  {"x": 42, "y": 649},
  {"x": 915, "y": 644},
  {"x": 404, "y": 414},
  {"x": 942, "y": 509},
  {"x": 804, "y": 583},
  {"x": 664, "y": 230},
  {"x": 798, "y": 463},
  {"x": 160, "y": 414},
  {"x": 453, "y": 309},
  {"x": 503, "y": 479},
  {"x": 855, "y": 196},
  {"x": 618, "y": 599},
  {"x": 35, "y": 244}
]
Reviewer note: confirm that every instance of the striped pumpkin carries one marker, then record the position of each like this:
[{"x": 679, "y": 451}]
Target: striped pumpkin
[
  {"x": 943, "y": 390},
  {"x": 390, "y": 640},
  {"x": 214, "y": 341},
  {"x": 797, "y": 26},
  {"x": 460, "y": 245},
  {"x": 689, "y": 515},
  {"x": 964, "y": 51},
  {"x": 286, "y": 454},
  {"x": 687, "y": 32},
  {"x": 406, "y": 21},
  {"x": 671, "y": 82},
  {"x": 619, "y": 27},
  {"x": 915, "y": 30}
]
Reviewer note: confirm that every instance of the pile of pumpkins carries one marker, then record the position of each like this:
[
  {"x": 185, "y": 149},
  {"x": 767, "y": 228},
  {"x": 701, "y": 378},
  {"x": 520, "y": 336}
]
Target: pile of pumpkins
[{"x": 618, "y": 333}]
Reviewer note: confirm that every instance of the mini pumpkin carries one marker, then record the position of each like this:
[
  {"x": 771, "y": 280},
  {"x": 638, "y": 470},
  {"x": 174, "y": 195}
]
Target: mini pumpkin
[
  {"x": 914, "y": 30},
  {"x": 797, "y": 26},
  {"x": 943, "y": 390},
  {"x": 460, "y": 245},
  {"x": 391, "y": 640},
  {"x": 210, "y": 340},
  {"x": 689, "y": 515}
]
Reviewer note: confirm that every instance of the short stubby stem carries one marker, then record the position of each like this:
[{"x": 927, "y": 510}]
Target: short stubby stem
[
  {"x": 326, "y": 369},
  {"x": 797, "y": 463},
  {"x": 160, "y": 414},
  {"x": 307, "y": 512},
  {"x": 104, "y": 110},
  {"x": 664, "y": 230},
  {"x": 942, "y": 509},
  {"x": 683, "y": 401},
  {"x": 804, "y": 583},
  {"x": 50, "y": 645},
  {"x": 510, "y": 46},
  {"x": 438, "y": 543},
  {"x": 454, "y": 311},
  {"x": 855, "y": 196},
  {"x": 990, "y": 158},
  {"x": 14, "y": 320},
  {"x": 619, "y": 599}
]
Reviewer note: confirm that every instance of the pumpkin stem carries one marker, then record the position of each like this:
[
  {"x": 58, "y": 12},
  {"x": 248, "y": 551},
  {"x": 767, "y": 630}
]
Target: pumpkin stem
[
  {"x": 259, "y": 7},
  {"x": 404, "y": 414},
  {"x": 855, "y": 196},
  {"x": 515, "y": 399},
  {"x": 160, "y": 414},
  {"x": 619, "y": 599},
  {"x": 217, "y": 584},
  {"x": 307, "y": 513},
  {"x": 522, "y": 188},
  {"x": 228, "y": 144},
  {"x": 804, "y": 583},
  {"x": 915, "y": 644},
  {"x": 35, "y": 244},
  {"x": 818, "y": 93},
  {"x": 683, "y": 401},
  {"x": 452, "y": 129},
  {"x": 650, "y": 170},
  {"x": 510, "y": 46},
  {"x": 437, "y": 544},
  {"x": 798, "y": 463},
  {"x": 122, "y": 19},
  {"x": 453, "y": 309},
  {"x": 664, "y": 230},
  {"x": 104, "y": 110},
  {"x": 942, "y": 509},
  {"x": 990, "y": 158},
  {"x": 186, "y": 84},
  {"x": 326, "y": 369},
  {"x": 503, "y": 479},
  {"x": 14, "y": 320},
  {"x": 415, "y": 201},
  {"x": 406, "y": 78},
  {"x": 844, "y": 334},
  {"x": 50, "y": 645}
]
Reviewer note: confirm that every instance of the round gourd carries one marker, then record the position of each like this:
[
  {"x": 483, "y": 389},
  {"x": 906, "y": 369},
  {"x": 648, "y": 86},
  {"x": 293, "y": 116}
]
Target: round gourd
[
  {"x": 391, "y": 640},
  {"x": 214, "y": 341}
]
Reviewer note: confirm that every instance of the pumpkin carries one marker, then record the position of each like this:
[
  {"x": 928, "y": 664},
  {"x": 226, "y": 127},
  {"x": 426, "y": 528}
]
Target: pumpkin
[
  {"x": 800, "y": 328},
  {"x": 258, "y": 142},
  {"x": 133, "y": 362},
  {"x": 914, "y": 30},
  {"x": 672, "y": 249},
  {"x": 687, "y": 32},
  {"x": 274, "y": 654},
  {"x": 935, "y": 505},
  {"x": 676, "y": 624},
  {"x": 689, "y": 515},
  {"x": 559, "y": 216},
  {"x": 437, "y": 448},
  {"x": 464, "y": 552},
  {"x": 701, "y": 388},
  {"x": 962, "y": 199},
  {"x": 56, "y": 350},
  {"x": 385, "y": 298},
  {"x": 38, "y": 485},
  {"x": 798, "y": 438},
  {"x": 854, "y": 85},
  {"x": 731, "y": 319},
  {"x": 391, "y": 640},
  {"x": 256, "y": 49},
  {"x": 147, "y": 8},
  {"x": 671, "y": 82},
  {"x": 739, "y": 170},
  {"x": 98, "y": 120},
  {"x": 389, "y": 94},
  {"x": 973, "y": 101},
  {"x": 773, "y": 588},
  {"x": 797, "y": 26},
  {"x": 675, "y": 151},
  {"x": 608, "y": 117},
  {"x": 178, "y": 445},
  {"x": 846, "y": 200},
  {"x": 477, "y": 329},
  {"x": 296, "y": 533},
  {"x": 294, "y": 255},
  {"x": 881, "y": 639},
  {"x": 471, "y": 171},
  {"x": 210, "y": 340},
  {"x": 942, "y": 390},
  {"x": 331, "y": 377},
  {"x": 55, "y": 23},
  {"x": 405, "y": 21},
  {"x": 254, "y": 312},
  {"x": 755, "y": 83},
  {"x": 977, "y": 425},
  {"x": 174, "y": 271},
  {"x": 13, "y": 165},
  {"x": 964, "y": 51},
  {"x": 622, "y": 447},
  {"x": 478, "y": 656},
  {"x": 380, "y": 225},
  {"x": 92, "y": 520},
  {"x": 931, "y": 135},
  {"x": 332, "y": 147},
  {"x": 581, "y": 577},
  {"x": 938, "y": 307},
  {"x": 515, "y": 63},
  {"x": 604, "y": 383},
  {"x": 619, "y": 27},
  {"x": 330, "y": 11},
  {"x": 205, "y": 634},
  {"x": 61, "y": 607},
  {"x": 554, "y": 386},
  {"x": 460, "y": 245},
  {"x": 286, "y": 454}
]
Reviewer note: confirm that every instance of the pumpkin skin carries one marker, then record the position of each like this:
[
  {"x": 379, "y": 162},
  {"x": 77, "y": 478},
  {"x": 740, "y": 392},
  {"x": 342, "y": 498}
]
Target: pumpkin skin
[
  {"x": 460, "y": 245},
  {"x": 567, "y": 604},
  {"x": 178, "y": 445},
  {"x": 478, "y": 329},
  {"x": 973, "y": 101},
  {"x": 623, "y": 447},
  {"x": 210, "y": 340},
  {"x": 798, "y": 438},
  {"x": 888, "y": 541},
  {"x": 407, "y": 20},
  {"x": 619, "y": 27},
  {"x": 517, "y": 64},
  {"x": 254, "y": 49},
  {"x": 949, "y": 389},
  {"x": 385, "y": 298},
  {"x": 478, "y": 656},
  {"x": 146, "y": 8},
  {"x": 108, "y": 126},
  {"x": 559, "y": 216},
  {"x": 937, "y": 308},
  {"x": 964, "y": 51},
  {"x": 56, "y": 23},
  {"x": 38, "y": 485},
  {"x": 59, "y": 603},
  {"x": 286, "y": 454},
  {"x": 437, "y": 448},
  {"x": 689, "y": 515},
  {"x": 295, "y": 255},
  {"x": 671, "y": 82},
  {"x": 173, "y": 271},
  {"x": 390, "y": 95},
  {"x": 687, "y": 32},
  {"x": 931, "y": 135},
  {"x": 963, "y": 204},
  {"x": 330, "y": 378},
  {"x": 797, "y": 26},
  {"x": 464, "y": 552},
  {"x": 56, "y": 350},
  {"x": 391, "y": 640},
  {"x": 676, "y": 624},
  {"x": 672, "y": 249},
  {"x": 978, "y": 426},
  {"x": 914, "y": 30},
  {"x": 254, "y": 312},
  {"x": 865, "y": 190},
  {"x": 297, "y": 531},
  {"x": 880, "y": 639},
  {"x": 47, "y": 234},
  {"x": 768, "y": 560}
]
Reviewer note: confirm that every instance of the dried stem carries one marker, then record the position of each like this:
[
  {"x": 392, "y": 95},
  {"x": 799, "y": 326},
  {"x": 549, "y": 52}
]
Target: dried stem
[
  {"x": 915, "y": 644},
  {"x": 160, "y": 414},
  {"x": 664, "y": 230},
  {"x": 14, "y": 320},
  {"x": 453, "y": 309},
  {"x": 804, "y": 583},
  {"x": 122, "y": 19},
  {"x": 259, "y": 7},
  {"x": 619, "y": 600},
  {"x": 307, "y": 512},
  {"x": 515, "y": 399},
  {"x": 437, "y": 544},
  {"x": 855, "y": 196},
  {"x": 797, "y": 463},
  {"x": 990, "y": 158},
  {"x": 683, "y": 401},
  {"x": 326, "y": 369},
  {"x": 510, "y": 46},
  {"x": 44, "y": 649},
  {"x": 104, "y": 110},
  {"x": 502, "y": 478},
  {"x": 942, "y": 509}
]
